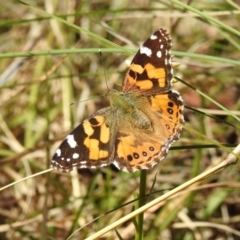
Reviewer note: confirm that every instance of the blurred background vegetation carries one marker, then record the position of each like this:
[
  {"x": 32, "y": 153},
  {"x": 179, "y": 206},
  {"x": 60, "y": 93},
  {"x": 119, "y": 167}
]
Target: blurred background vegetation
[{"x": 47, "y": 64}]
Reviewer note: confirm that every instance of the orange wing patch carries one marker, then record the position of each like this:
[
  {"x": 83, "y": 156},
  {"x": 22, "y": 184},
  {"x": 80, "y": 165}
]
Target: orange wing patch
[
  {"x": 98, "y": 134},
  {"x": 170, "y": 109}
]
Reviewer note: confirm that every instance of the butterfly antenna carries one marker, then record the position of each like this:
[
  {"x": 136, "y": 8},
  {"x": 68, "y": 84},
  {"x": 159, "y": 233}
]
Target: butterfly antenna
[
  {"x": 104, "y": 71},
  {"x": 72, "y": 103}
]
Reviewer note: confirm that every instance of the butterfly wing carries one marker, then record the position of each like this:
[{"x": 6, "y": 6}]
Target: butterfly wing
[
  {"x": 87, "y": 146},
  {"x": 151, "y": 69},
  {"x": 142, "y": 148}
]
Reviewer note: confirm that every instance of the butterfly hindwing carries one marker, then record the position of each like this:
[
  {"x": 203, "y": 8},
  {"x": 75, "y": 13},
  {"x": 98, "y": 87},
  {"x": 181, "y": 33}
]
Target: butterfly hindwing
[
  {"x": 136, "y": 151},
  {"x": 169, "y": 110}
]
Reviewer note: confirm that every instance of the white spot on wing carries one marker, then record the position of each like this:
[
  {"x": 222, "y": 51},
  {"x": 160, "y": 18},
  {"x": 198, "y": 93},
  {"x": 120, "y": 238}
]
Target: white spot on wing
[
  {"x": 176, "y": 92},
  {"x": 83, "y": 166},
  {"x": 58, "y": 152},
  {"x": 103, "y": 164},
  {"x": 72, "y": 143},
  {"x": 116, "y": 164},
  {"x": 159, "y": 54},
  {"x": 153, "y": 37},
  {"x": 75, "y": 155},
  {"x": 145, "y": 50}
]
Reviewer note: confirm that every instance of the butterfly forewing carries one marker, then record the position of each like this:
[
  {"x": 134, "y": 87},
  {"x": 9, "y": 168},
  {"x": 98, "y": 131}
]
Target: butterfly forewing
[{"x": 151, "y": 69}]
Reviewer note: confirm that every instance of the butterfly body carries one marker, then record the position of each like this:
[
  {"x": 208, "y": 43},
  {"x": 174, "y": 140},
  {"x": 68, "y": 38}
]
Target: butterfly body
[
  {"x": 128, "y": 108},
  {"x": 142, "y": 121}
]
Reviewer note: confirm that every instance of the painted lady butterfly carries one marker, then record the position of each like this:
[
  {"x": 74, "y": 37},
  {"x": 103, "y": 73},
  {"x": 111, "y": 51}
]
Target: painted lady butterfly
[{"x": 140, "y": 125}]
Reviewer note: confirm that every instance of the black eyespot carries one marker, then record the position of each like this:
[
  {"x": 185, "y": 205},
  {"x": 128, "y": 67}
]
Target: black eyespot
[
  {"x": 170, "y": 104},
  {"x": 136, "y": 155},
  {"x": 170, "y": 111},
  {"x": 129, "y": 158},
  {"x": 144, "y": 154},
  {"x": 151, "y": 148}
]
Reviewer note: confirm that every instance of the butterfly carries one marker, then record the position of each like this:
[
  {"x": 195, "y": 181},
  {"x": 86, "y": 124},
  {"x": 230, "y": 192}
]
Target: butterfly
[{"x": 142, "y": 121}]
